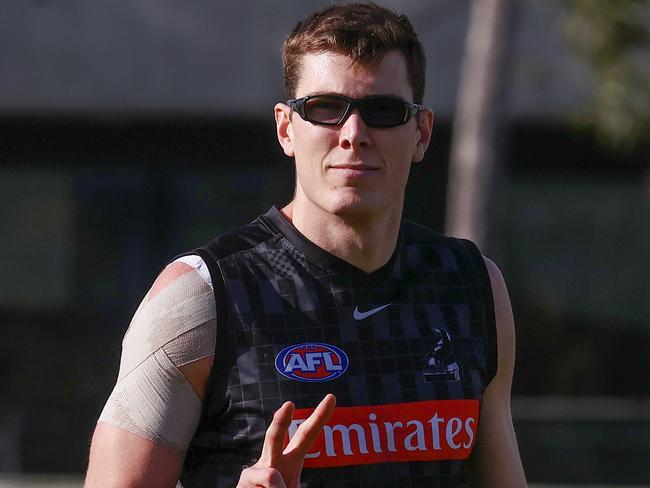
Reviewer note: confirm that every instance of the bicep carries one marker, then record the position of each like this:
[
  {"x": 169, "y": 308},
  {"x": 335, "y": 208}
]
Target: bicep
[
  {"x": 119, "y": 458},
  {"x": 495, "y": 460}
]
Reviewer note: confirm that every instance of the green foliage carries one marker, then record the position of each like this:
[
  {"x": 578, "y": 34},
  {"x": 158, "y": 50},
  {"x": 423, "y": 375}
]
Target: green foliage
[{"x": 610, "y": 35}]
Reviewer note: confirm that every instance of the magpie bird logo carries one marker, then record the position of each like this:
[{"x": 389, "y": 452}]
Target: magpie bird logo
[{"x": 440, "y": 363}]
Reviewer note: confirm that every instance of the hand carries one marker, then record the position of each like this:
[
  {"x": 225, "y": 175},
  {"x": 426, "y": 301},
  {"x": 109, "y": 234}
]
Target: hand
[{"x": 280, "y": 467}]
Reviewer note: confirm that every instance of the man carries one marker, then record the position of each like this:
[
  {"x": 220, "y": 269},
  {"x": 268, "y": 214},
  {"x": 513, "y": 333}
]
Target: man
[{"x": 238, "y": 345}]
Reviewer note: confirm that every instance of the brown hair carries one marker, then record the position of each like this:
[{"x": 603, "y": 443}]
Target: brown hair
[{"x": 362, "y": 31}]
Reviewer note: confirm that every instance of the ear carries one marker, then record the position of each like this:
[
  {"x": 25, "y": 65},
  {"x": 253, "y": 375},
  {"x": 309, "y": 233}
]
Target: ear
[
  {"x": 424, "y": 129},
  {"x": 284, "y": 129}
]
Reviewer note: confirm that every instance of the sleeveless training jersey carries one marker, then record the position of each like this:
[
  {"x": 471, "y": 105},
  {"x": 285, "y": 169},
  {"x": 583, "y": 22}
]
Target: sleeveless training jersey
[{"x": 407, "y": 350}]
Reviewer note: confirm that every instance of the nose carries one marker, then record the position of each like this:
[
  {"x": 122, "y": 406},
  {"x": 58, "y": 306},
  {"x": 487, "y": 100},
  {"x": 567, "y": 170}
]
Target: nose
[{"x": 353, "y": 133}]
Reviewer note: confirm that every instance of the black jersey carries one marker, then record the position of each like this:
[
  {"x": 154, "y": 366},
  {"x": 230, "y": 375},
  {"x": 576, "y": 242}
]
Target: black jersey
[{"x": 408, "y": 351}]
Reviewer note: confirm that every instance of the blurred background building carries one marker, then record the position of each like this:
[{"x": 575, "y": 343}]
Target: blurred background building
[{"x": 131, "y": 131}]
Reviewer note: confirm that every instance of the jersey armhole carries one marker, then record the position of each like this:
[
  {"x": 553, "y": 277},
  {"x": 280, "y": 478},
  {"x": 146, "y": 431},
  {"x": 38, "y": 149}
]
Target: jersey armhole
[
  {"x": 217, "y": 383},
  {"x": 492, "y": 354}
]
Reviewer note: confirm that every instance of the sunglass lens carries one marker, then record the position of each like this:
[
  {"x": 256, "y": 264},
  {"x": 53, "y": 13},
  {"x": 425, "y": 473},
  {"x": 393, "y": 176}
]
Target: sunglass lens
[
  {"x": 325, "y": 109},
  {"x": 383, "y": 111}
]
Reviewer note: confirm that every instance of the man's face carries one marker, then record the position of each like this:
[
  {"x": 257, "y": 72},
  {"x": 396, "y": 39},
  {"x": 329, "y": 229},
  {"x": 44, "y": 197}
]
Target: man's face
[{"x": 352, "y": 169}]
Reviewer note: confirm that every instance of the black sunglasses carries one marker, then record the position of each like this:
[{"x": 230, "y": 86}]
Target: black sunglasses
[{"x": 376, "y": 111}]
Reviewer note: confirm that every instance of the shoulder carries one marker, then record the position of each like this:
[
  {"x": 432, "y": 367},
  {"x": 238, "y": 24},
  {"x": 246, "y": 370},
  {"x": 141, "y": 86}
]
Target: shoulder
[
  {"x": 499, "y": 289},
  {"x": 239, "y": 239},
  {"x": 169, "y": 275},
  {"x": 502, "y": 307},
  {"x": 177, "y": 314},
  {"x": 413, "y": 232},
  {"x": 504, "y": 322},
  {"x": 184, "y": 280}
]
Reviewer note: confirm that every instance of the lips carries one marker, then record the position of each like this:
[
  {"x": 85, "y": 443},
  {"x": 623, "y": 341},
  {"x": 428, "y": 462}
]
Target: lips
[
  {"x": 353, "y": 167},
  {"x": 353, "y": 172}
]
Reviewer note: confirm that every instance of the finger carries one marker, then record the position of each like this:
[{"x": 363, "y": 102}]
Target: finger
[
  {"x": 308, "y": 431},
  {"x": 275, "y": 435}
]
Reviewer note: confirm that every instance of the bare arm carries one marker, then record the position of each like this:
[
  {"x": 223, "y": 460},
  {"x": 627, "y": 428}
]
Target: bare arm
[
  {"x": 495, "y": 460},
  {"x": 119, "y": 458}
]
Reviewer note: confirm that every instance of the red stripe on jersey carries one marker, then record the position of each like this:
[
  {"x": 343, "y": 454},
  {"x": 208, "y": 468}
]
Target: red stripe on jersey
[{"x": 396, "y": 432}]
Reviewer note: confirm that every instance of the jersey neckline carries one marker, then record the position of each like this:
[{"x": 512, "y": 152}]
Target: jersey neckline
[{"x": 276, "y": 219}]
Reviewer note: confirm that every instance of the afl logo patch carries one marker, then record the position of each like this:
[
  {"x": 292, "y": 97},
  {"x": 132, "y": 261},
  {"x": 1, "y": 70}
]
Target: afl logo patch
[{"x": 311, "y": 361}]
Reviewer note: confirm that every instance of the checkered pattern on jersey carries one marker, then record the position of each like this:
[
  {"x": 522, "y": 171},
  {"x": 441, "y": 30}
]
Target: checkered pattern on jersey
[{"x": 280, "y": 295}]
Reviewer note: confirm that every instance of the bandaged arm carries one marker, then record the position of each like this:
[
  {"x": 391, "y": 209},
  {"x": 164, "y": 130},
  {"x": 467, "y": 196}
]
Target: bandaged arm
[{"x": 167, "y": 353}]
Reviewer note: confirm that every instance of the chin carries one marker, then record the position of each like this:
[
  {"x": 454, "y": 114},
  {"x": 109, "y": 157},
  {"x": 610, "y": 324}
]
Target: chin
[{"x": 354, "y": 206}]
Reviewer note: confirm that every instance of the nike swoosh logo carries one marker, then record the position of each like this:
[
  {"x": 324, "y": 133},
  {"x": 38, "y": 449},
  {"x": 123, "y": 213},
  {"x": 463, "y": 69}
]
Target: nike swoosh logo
[{"x": 358, "y": 315}]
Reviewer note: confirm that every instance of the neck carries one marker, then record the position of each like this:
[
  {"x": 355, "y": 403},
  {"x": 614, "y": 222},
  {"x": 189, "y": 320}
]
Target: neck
[{"x": 366, "y": 242}]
